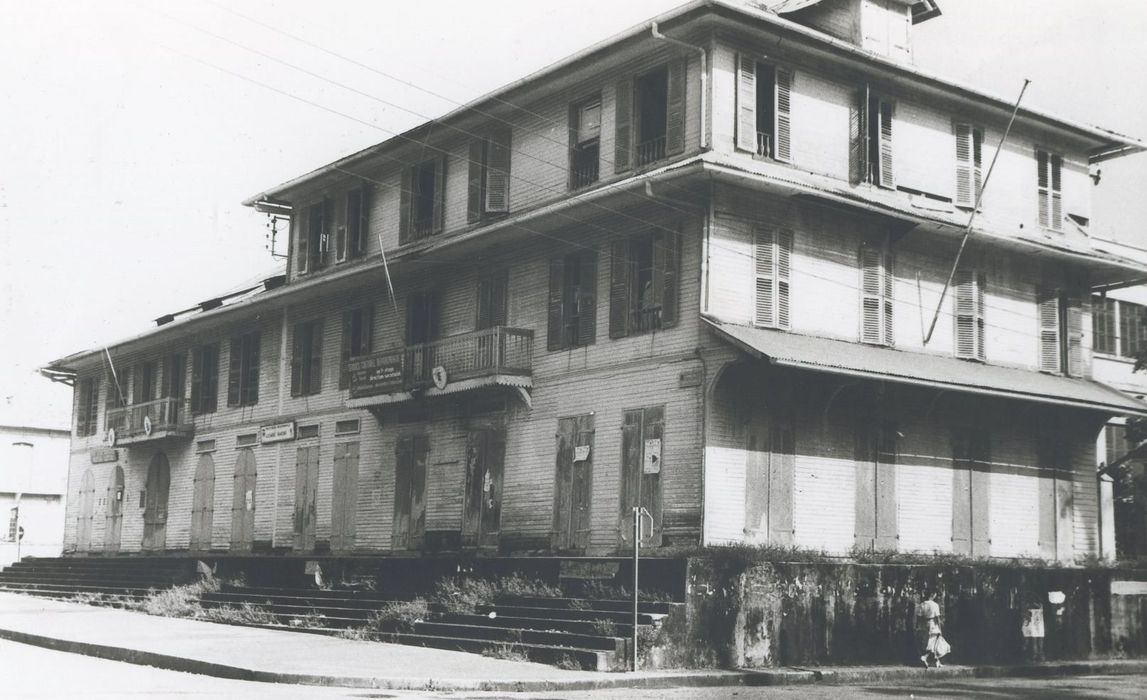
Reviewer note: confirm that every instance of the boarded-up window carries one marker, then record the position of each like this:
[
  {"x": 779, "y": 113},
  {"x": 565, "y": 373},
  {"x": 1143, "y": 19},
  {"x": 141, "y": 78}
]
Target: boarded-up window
[
  {"x": 772, "y": 255},
  {"x": 243, "y": 370},
  {"x": 572, "y": 312},
  {"x": 87, "y": 406},
  {"x": 204, "y": 378},
  {"x": 969, "y": 164},
  {"x": 573, "y": 488},
  {"x": 969, "y": 300},
  {"x": 764, "y": 109},
  {"x": 422, "y": 200},
  {"x": 356, "y": 339},
  {"x": 644, "y": 270},
  {"x": 307, "y": 358},
  {"x": 1050, "y": 192},
  {"x": 971, "y": 492},
  {"x": 488, "y": 190},
  {"x": 876, "y": 294}
]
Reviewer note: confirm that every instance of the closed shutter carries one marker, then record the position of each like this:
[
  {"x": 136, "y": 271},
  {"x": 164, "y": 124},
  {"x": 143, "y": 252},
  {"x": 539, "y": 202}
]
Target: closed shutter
[
  {"x": 302, "y": 239},
  {"x": 498, "y": 172},
  {"x": 876, "y": 295},
  {"x": 969, "y": 301},
  {"x": 439, "y": 194},
  {"x": 961, "y": 492},
  {"x": 675, "y": 105},
  {"x": 1048, "y": 302},
  {"x": 765, "y": 266},
  {"x": 251, "y": 369},
  {"x": 405, "y": 213},
  {"x": 555, "y": 321},
  {"x": 783, "y": 131},
  {"x": 1075, "y": 358},
  {"x": 887, "y": 524},
  {"x": 969, "y": 152},
  {"x": 858, "y": 138},
  {"x": 234, "y": 372},
  {"x": 623, "y": 127},
  {"x": 298, "y": 347},
  {"x": 782, "y": 464},
  {"x": 345, "y": 350},
  {"x": 492, "y": 301},
  {"x": 344, "y": 225},
  {"x": 587, "y": 298},
  {"x": 362, "y": 230},
  {"x": 403, "y": 473},
  {"x": 315, "y": 376},
  {"x": 197, "y": 379},
  {"x": 889, "y": 272},
  {"x": 746, "y": 103},
  {"x": 666, "y": 264},
  {"x": 885, "y": 116},
  {"x": 865, "y": 491},
  {"x": 981, "y": 493},
  {"x": 619, "y": 285},
  {"x": 477, "y": 167},
  {"x": 1050, "y": 189}
]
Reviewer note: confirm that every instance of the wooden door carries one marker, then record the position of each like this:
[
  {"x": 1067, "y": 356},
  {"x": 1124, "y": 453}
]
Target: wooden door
[
  {"x": 573, "y": 483},
  {"x": 243, "y": 502},
  {"x": 344, "y": 500},
  {"x": 87, "y": 504},
  {"x": 203, "y": 504},
  {"x": 155, "y": 503},
  {"x": 482, "y": 511},
  {"x": 410, "y": 492},
  {"x": 641, "y": 466},
  {"x": 306, "y": 496},
  {"x": 113, "y": 524}
]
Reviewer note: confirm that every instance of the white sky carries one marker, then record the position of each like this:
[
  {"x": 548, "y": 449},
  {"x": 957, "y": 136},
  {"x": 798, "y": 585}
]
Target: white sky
[{"x": 123, "y": 158}]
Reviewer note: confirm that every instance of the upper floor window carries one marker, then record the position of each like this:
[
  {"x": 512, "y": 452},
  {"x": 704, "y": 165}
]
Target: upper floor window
[
  {"x": 358, "y": 329},
  {"x": 1060, "y": 333},
  {"x": 650, "y": 117},
  {"x": 1118, "y": 327},
  {"x": 572, "y": 316},
  {"x": 204, "y": 378},
  {"x": 870, "y": 135},
  {"x": 493, "y": 292},
  {"x": 764, "y": 122},
  {"x": 585, "y": 142},
  {"x": 489, "y": 184},
  {"x": 351, "y": 234},
  {"x": 313, "y": 242},
  {"x": 145, "y": 382},
  {"x": 307, "y": 358},
  {"x": 423, "y": 200},
  {"x": 174, "y": 375},
  {"x": 87, "y": 407},
  {"x": 772, "y": 255},
  {"x": 969, "y": 164},
  {"x": 876, "y": 293},
  {"x": 116, "y": 396},
  {"x": 969, "y": 300},
  {"x": 643, "y": 283},
  {"x": 243, "y": 372},
  {"x": 1050, "y": 192}
]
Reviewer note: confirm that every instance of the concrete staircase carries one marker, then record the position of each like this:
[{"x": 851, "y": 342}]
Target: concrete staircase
[{"x": 111, "y": 581}]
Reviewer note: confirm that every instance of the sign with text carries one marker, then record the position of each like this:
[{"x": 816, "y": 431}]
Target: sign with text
[
  {"x": 581, "y": 453},
  {"x": 652, "y": 463},
  {"x": 100, "y": 455},
  {"x": 278, "y": 432},
  {"x": 376, "y": 374}
]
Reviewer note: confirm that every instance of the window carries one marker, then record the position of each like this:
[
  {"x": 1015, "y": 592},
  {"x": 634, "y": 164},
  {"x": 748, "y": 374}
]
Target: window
[
  {"x": 643, "y": 283},
  {"x": 1061, "y": 333},
  {"x": 969, "y": 164},
  {"x": 870, "y": 135},
  {"x": 174, "y": 375},
  {"x": 355, "y": 225},
  {"x": 971, "y": 491},
  {"x": 145, "y": 383},
  {"x": 423, "y": 198},
  {"x": 1104, "y": 326},
  {"x": 1118, "y": 327},
  {"x": 358, "y": 329},
  {"x": 492, "y": 297},
  {"x": 1049, "y": 191},
  {"x": 307, "y": 358},
  {"x": 204, "y": 378},
  {"x": 488, "y": 192},
  {"x": 585, "y": 142},
  {"x": 969, "y": 300},
  {"x": 876, "y": 293},
  {"x": 313, "y": 242},
  {"x": 117, "y": 390},
  {"x": 764, "y": 109},
  {"x": 87, "y": 407},
  {"x": 877, "y": 454},
  {"x": 1132, "y": 329},
  {"x": 650, "y": 117},
  {"x": 572, "y": 301},
  {"x": 772, "y": 252},
  {"x": 243, "y": 373}
]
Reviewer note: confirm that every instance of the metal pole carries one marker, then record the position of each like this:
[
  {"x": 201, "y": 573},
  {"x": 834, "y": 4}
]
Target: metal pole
[{"x": 636, "y": 550}]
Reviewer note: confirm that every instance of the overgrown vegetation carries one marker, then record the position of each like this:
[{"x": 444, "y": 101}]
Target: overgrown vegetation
[
  {"x": 466, "y": 595},
  {"x": 244, "y": 614},
  {"x": 506, "y": 652},
  {"x": 399, "y": 616},
  {"x": 178, "y": 601},
  {"x": 604, "y": 627},
  {"x": 602, "y": 590}
]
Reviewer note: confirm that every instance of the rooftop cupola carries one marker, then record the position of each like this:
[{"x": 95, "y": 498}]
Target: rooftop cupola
[{"x": 880, "y": 26}]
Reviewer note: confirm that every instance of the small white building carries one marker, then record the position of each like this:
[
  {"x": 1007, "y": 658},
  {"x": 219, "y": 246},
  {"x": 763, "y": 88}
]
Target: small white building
[{"x": 33, "y": 481}]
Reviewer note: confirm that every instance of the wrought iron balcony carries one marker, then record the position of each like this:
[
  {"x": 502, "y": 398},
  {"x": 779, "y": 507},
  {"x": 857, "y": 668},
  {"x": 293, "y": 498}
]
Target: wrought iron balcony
[
  {"x": 149, "y": 420},
  {"x": 491, "y": 356}
]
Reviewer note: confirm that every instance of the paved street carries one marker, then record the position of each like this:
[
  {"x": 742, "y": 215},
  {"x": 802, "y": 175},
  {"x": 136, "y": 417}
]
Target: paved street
[{"x": 28, "y": 672}]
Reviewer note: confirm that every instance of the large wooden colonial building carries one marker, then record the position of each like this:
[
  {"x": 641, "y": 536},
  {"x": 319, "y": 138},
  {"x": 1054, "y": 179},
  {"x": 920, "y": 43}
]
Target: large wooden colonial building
[{"x": 692, "y": 269}]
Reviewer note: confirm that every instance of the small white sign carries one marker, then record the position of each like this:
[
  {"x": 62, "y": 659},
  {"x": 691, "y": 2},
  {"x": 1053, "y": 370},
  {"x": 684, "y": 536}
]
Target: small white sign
[
  {"x": 581, "y": 453},
  {"x": 652, "y": 463},
  {"x": 277, "y": 433}
]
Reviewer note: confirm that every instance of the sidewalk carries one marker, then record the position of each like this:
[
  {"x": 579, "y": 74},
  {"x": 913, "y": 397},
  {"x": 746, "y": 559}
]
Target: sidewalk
[{"x": 245, "y": 653}]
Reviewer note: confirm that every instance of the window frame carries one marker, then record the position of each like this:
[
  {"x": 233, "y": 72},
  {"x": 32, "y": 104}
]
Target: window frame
[
  {"x": 246, "y": 347},
  {"x": 1049, "y": 198},
  {"x": 578, "y": 146},
  {"x": 568, "y": 300},
  {"x": 306, "y": 358},
  {"x": 661, "y": 270},
  {"x": 885, "y": 295},
  {"x": 88, "y": 406},
  {"x": 772, "y": 274},
  {"x": 364, "y": 317},
  {"x": 968, "y": 306},
  {"x": 967, "y": 193}
]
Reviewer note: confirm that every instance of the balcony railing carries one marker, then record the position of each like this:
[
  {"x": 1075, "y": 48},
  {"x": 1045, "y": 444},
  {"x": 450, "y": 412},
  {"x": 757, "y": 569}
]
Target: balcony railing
[
  {"x": 584, "y": 165},
  {"x": 151, "y": 420},
  {"x": 650, "y": 151},
  {"x": 485, "y": 353},
  {"x": 764, "y": 144}
]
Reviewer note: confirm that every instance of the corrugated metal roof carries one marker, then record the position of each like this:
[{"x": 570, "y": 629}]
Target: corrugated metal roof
[{"x": 888, "y": 364}]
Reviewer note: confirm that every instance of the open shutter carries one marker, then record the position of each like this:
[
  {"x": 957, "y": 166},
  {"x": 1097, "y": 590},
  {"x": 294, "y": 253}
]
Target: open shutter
[
  {"x": 784, "y": 271},
  {"x": 981, "y": 285},
  {"x": 1048, "y": 302},
  {"x": 675, "y": 105},
  {"x": 965, "y": 192},
  {"x": 619, "y": 285},
  {"x": 746, "y": 103},
  {"x": 439, "y": 194},
  {"x": 404, "y": 212},
  {"x": 858, "y": 138},
  {"x": 297, "y": 348},
  {"x": 251, "y": 370},
  {"x": 764, "y": 261},
  {"x": 1075, "y": 359},
  {"x": 302, "y": 240},
  {"x": 1056, "y": 164},
  {"x": 965, "y": 300},
  {"x": 498, "y": 172},
  {"x": 325, "y": 242},
  {"x": 358, "y": 241},
  {"x": 316, "y": 368},
  {"x": 345, "y": 223},
  {"x": 477, "y": 166},
  {"x": 345, "y": 350},
  {"x": 1043, "y": 182},
  {"x": 886, "y": 177},
  {"x": 555, "y": 323},
  {"x": 234, "y": 371},
  {"x": 889, "y": 272},
  {"x": 587, "y": 298},
  {"x": 630, "y": 471},
  {"x": 485, "y": 304},
  {"x": 623, "y": 127},
  {"x": 783, "y": 151},
  {"x": 197, "y": 379},
  {"x": 871, "y": 301},
  {"x": 666, "y": 265}
]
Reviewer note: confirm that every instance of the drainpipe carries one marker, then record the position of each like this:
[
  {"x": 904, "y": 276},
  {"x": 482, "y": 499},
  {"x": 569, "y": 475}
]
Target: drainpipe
[
  {"x": 704, "y": 78},
  {"x": 699, "y": 352}
]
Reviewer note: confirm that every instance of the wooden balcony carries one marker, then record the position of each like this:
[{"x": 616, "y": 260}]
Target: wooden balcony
[
  {"x": 150, "y": 420},
  {"x": 489, "y": 357}
]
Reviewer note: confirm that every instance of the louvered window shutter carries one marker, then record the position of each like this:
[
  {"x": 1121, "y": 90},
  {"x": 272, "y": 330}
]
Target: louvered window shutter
[
  {"x": 619, "y": 288},
  {"x": 1043, "y": 182},
  {"x": 1049, "y": 190},
  {"x": 498, "y": 172},
  {"x": 302, "y": 254},
  {"x": 439, "y": 194},
  {"x": 298, "y": 347},
  {"x": 765, "y": 266},
  {"x": 873, "y": 287},
  {"x": 358, "y": 242},
  {"x": 623, "y": 127},
  {"x": 499, "y": 298},
  {"x": 1048, "y": 303},
  {"x": 345, "y": 350},
  {"x": 556, "y": 323},
  {"x": 965, "y": 299},
  {"x": 315, "y": 384},
  {"x": 477, "y": 167},
  {"x": 344, "y": 226},
  {"x": 858, "y": 138},
  {"x": 669, "y": 273},
  {"x": 405, "y": 213},
  {"x": 197, "y": 379},
  {"x": 251, "y": 370},
  {"x": 964, "y": 178},
  {"x": 325, "y": 242},
  {"x": 784, "y": 271},
  {"x": 1056, "y": 164},
  {"x": 886, "y": 177},
  {"x": 981, "y": 286},
  {"x": 889, "y": 297},
  {"x": 746, "y": 103},
  {"x": 234, "y": 372},
  {"x": 1075, "y": 358},
  {"x": 587, "y": 298},
  {"x": 783, "y": 150},
  {"x": 675, "y": 109}
]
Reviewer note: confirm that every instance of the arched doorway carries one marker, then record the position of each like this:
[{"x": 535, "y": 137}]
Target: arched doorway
[
  {"x": 113, "y": 524},
  {"x": 203, "y": 504},
  {"x": 155, "y": 503},
  {"x": 84, "y": 514},
  {"x": 243, "y": 502}
]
